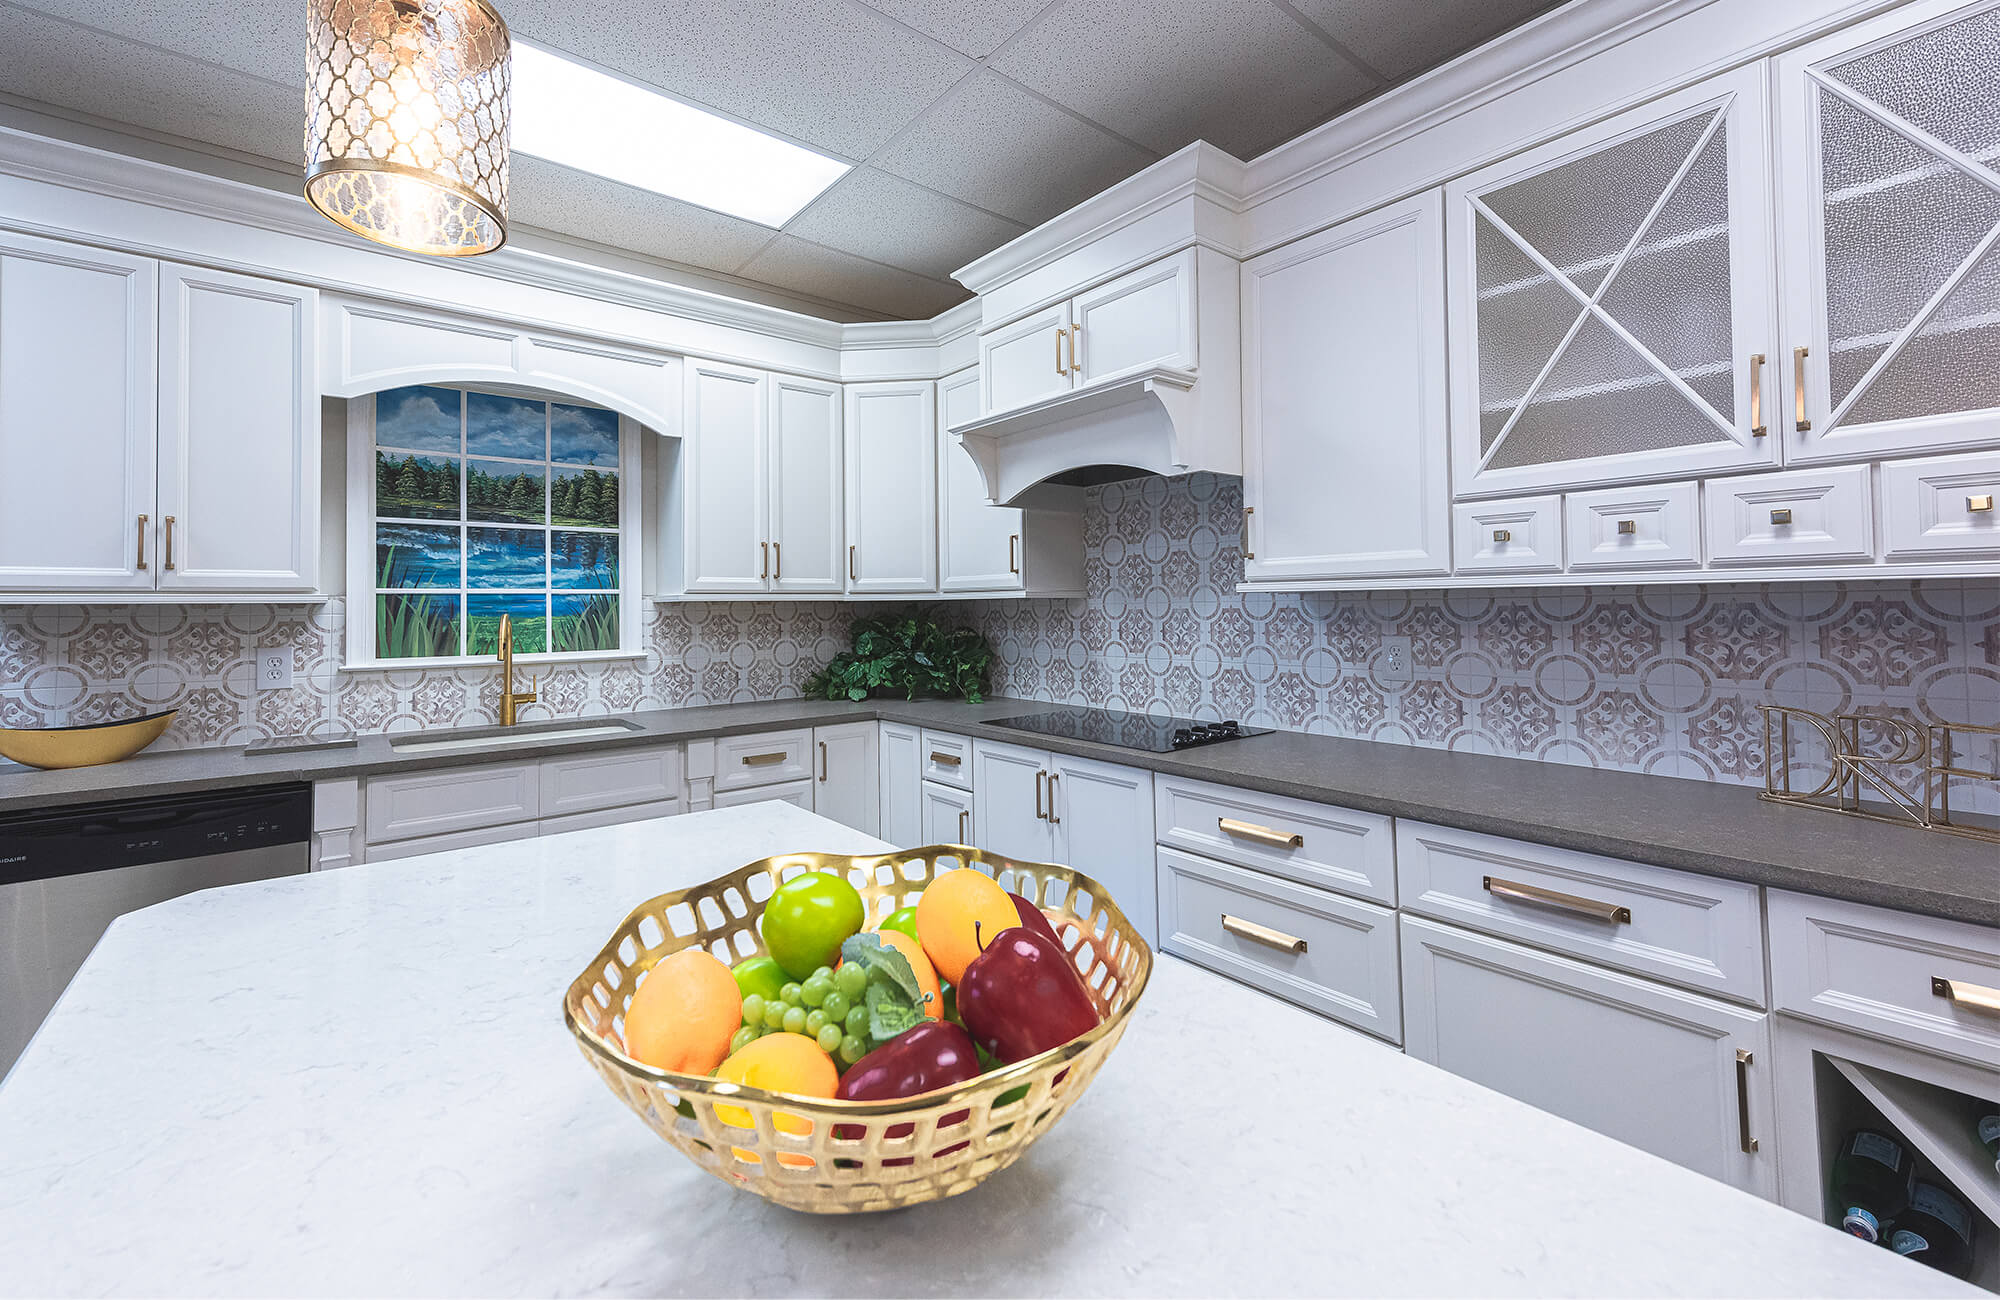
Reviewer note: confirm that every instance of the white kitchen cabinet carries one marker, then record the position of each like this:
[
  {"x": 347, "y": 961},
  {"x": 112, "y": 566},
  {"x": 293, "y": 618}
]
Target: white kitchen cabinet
[
  {"x": 1511, "y": 535},
  {"x": 1025, "y": 361},
  {"x": 1650, "y": 526},
  {"x": 1010, "y": 800},
  {"x": 947, "y": 815},
  {"x": 1943, "y": 507},
  {"x": 723, "y": 449},
  {"x": 797, "y": 793},
  {"x": 989, "y": 548},
  {"x": 847, "y": 783},
  {"x": 764, "y": 758},
  {"x": 1890, "y": 234},
  {"x": 1800, "y": 516},
  {"x": 806, "y": 527},
  {"x": 1683, "y": 1076},
  {"x": 1102, "y": 818},
  {"x": 891, "y": 487},
  {"x": 77, "y": 418},
  {"x": 617, "y": 778},
  {"x": 902, "y": 785},
  {"x": 446, "y": 801},
  {"x": 1610, "y": 294},
  {"x": 239, "y": 462},
  {"x": 1337, "y": 849},
  {"x": 1344, "y": 400}
]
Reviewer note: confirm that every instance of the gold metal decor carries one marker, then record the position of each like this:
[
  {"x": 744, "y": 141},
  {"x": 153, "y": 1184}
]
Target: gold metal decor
[
  {"x": 1932, "y": 748},
  {"x": 858, "y": 1156},
  {"x": 406, "y": 122},
  {"x": 88, "y": 746}
]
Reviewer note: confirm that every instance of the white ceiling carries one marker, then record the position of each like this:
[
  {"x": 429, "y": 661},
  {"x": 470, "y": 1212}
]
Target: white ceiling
[{"x": 968, "y": 120}]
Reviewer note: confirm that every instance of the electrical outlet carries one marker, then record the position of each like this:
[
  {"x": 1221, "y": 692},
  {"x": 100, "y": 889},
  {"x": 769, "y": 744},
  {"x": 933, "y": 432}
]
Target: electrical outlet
[
  {"x": 274, "y": 670},
  {"x": 1393, "y": 664}
]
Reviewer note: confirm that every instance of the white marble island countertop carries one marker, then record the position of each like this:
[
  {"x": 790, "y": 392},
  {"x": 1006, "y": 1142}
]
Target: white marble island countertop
[{"x": 359, "y": 1082}]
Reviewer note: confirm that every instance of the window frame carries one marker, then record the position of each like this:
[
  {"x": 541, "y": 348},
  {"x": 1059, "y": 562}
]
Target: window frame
[{"x": 360, "y": 651}]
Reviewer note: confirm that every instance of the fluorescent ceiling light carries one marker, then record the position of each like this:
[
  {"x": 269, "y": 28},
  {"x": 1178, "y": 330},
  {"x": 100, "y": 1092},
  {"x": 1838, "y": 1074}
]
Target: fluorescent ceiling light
[{"x": 580, "y": 117}]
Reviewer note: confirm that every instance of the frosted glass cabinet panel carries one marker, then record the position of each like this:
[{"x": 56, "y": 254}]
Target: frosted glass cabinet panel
[
  {"x": 1611, "y": 316},
  {"x": 1890, "y": 145}
]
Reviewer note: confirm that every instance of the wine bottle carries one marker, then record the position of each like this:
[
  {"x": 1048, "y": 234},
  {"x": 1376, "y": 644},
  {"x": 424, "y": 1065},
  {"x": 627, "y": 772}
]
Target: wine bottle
[
  {"x": 1936, "y": 1229},
  {"x": 1871, "y": 1183},
  {"x": 1989, "y": 1133}
]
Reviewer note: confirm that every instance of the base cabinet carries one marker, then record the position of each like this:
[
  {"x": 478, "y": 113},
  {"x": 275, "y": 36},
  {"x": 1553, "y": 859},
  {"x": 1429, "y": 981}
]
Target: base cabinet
[
  {"x": 947, "y": 815},
  {"x": 1683, "y": 1076},
  {"x": 902, "y": 779},
  {"x": 847, "y": 780}
]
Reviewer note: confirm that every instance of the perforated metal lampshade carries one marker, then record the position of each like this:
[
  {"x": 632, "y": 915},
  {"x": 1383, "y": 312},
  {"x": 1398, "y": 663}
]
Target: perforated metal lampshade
[{"x": 406, "y": 122}]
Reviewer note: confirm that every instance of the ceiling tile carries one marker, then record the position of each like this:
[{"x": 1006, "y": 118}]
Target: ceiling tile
[
  {"x": 1240, "y": 74},
  {"x": 995, "y": 145},
  {"x": 838, "y": 77},
  {"x": 265, "y": 40},
  {"x": 886, "y": 219},
  {"x": 1400, "y": 39},
  {"x": 802, "y": 267},
  {"x": 570, "y": 202},
  {"x": 976, "y": 27}
]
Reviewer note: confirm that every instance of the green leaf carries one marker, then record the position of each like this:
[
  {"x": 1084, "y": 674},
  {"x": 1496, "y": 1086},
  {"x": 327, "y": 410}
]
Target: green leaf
[
  {"x": 857, "y": 693},
  {"x": 889, "y": 1014},
  {"x": 883, "y": 963}
]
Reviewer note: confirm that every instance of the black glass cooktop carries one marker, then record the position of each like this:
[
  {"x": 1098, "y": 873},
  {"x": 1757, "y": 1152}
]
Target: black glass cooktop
[{"x": 1130, "y": 730}]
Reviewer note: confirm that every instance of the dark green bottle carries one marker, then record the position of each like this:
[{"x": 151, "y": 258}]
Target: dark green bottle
[
  {"x": 1871, "y": 1183},
  {"x": 1989, "y": 1133},
  {"x": 1936, "y": 1229}
]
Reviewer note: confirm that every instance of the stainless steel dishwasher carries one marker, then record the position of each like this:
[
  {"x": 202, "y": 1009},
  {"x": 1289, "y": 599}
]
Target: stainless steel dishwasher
[{"x": 67, "y": 873}]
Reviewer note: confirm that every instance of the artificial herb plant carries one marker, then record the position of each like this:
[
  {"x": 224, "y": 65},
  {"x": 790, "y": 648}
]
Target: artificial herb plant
[{"x": 908, "y": 654}]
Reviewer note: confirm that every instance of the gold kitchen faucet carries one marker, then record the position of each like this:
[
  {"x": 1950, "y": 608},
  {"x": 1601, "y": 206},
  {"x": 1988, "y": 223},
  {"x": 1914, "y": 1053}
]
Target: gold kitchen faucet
[{"x": 511, "y": 699}]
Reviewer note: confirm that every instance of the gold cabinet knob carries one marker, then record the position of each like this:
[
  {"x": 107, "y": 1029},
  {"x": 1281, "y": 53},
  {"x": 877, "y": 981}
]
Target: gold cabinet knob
[
  {"x": 1502, "y": 535},
  {"x": 1979, "y": 505},
  {"x": 1781, "y": 516},
  {"x": 1627, "y": 527}
]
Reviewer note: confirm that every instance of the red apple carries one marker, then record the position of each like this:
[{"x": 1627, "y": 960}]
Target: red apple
[{"x": 1021, "y": 996}]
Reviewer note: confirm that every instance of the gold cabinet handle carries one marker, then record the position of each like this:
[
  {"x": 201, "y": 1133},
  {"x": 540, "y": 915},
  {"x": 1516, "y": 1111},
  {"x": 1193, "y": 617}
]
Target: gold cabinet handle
[
  {"x": 1979, "y": 505},
  {"x": 1248, "y": 554},
  {"x": 1799, "y": 420},
  {"x": 852, "y": 576},
  {"x": 1781, "y": 516},
  {"x": 763, "y": 760},
  {"x": 1263, "y": 934},
  {"x": 1502, "y": 535},
  {"x": 1972, "y": 997},
  {"x": 1075, "y": 337},
  {"x": 822, "y": 762},
  {"x": 1013, "y": 543},
  {"x": 1628, "y": 527},
  {"x": 1536, "y": 896},
  {"x": 963, "y": 813},
  {"x": 1261, "y": 834},
  {"x": 1757, "y": 426},
  {"x": 1059, "y": 357},
  {"x": 766, "y": 571},
  {"x": 1743, "y": 1138},
  {"x": 777, "y": 561},
  {"x": 945, "y": 760},
  {"x": 169, "y": 562},
  {"x": 143, "y": 521},
  {"x": 1053, "y": 819},
  {"x": 1040, "y": 778}
]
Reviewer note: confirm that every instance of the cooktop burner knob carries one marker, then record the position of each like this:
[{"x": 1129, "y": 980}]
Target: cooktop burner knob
[{"x": 1182, "y": 737}]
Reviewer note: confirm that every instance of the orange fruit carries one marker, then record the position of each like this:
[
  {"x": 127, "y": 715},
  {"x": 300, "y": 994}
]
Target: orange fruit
[
  {"x": 958, "y": 914},
  {"x": 683, "y": 1013},
  {"x": 778, "y": 1063},
  {"x": 927, "y": 979}
]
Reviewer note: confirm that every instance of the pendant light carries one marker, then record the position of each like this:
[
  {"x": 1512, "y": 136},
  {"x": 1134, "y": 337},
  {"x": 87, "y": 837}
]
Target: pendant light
[{"x": 406, "y": 122}]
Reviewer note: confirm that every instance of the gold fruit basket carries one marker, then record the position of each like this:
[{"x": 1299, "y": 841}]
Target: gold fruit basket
[{"x": 859, "y": 1156}]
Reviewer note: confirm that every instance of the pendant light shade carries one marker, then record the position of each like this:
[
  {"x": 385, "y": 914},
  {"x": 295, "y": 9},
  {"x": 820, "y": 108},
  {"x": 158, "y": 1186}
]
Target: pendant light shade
[{"x": 406, "y": 122}]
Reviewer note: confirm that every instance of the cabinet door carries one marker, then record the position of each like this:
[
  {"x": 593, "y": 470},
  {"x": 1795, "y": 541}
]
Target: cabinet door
[
  {"x": 1010, "y": 800},
  {"x": 1344, "y": 420},
  {"x": 1026, "y": 361},
  {"x": 1103, "y": 820},
  {"x": 239, "y": 433},
  {"x": 722, "y": 454},
  {"x": 1139, "y": 320},
  {"x": 806, "y": 528},
  {"x": 1608, "y": 293},
  {"x": 1890, "y": 231},
  {"x": 902, "y": 785},
  {"x": 847, "y": 783},
  {"x": 1637, "y": 1061},
  {"x": 891, "y": 487},
  {"x": 947, "y": 815},
  {"x": 77, "y": 418},
  {"x": 979, "y": 545}
]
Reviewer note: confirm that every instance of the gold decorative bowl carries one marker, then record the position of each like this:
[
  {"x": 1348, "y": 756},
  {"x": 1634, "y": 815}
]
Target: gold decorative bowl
[
  {"x": 860, "y": 1156},
  {"x": 100, "y": 742}
]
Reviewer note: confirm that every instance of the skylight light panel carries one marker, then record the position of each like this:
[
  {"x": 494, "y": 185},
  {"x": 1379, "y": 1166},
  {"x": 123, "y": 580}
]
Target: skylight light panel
[{"x": 592, "y": 121}]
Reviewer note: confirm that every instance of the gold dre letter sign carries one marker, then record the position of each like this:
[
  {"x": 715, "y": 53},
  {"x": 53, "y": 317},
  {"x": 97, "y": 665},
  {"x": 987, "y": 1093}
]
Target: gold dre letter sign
[{"x": 1932, "y": 750}]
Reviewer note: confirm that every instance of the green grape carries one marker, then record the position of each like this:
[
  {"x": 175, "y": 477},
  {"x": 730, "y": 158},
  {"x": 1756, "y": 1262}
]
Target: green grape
[
  {"x": 851, "y": 980},
  {"x": 813, "y": 992},
  {"x": 824, "y": 975},
  {"x": 852, "y": 1049},
  {"x": 856, "y": 1022},
  {"x": 836, "y": 1005},
  {"x": 790, "y": 993},
  {"x": 741, "y": 1039},
  {"x": 815, "y": 1021},
  {"x": 830, "y": 1039},
  {"x": 774, "y": 1014},
  {"x": 753, "y": 1010},
  {"x": 795, "y": 1020}
]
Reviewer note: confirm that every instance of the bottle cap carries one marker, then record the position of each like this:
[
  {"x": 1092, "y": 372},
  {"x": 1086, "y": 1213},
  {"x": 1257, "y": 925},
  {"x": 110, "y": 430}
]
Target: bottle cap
[
  {"x": 1861, "y": 1223},
  {"x": 1905, "y": 1242}
]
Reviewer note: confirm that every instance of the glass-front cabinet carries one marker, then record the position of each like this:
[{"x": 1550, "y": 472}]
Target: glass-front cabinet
[
  {"x": 1889, "y": 228},
  {"x": 1611, "y": 304}
]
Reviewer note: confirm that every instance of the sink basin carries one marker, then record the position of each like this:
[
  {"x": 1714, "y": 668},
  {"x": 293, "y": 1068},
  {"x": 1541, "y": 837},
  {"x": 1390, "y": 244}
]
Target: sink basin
[{"x": 484, "y": 738}]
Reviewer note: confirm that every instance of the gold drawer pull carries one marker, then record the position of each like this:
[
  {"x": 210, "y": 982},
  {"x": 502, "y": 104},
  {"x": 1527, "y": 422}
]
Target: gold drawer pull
[
  {"x": 142, "y": 540},
  {"x": 1799, "y": 420},
  {"x": 1744, "y": 1142},
  {"x": 945, "y": 760},
  {"x": 1263, "y": 934},
  {"x": 1539, "y": 897},
  {"x": 1502, "y": 535},
  {"x": 1781, "y": 516},
  {"x": 1757, "y": 426},
  {"x": 1970, "y": 996},
  {"x": 1978, "y": 505},
  {"x": 170, "y": 542},
  {"x": 1248, "y": 554},
  {"x": 763, "y": 760},
  {"x": 1627, "y": 527},
  {"x": 1261, "y": 834}
]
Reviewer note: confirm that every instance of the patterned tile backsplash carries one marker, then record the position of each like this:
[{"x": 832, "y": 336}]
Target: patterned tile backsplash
[{"x": 1652, "y": 679}]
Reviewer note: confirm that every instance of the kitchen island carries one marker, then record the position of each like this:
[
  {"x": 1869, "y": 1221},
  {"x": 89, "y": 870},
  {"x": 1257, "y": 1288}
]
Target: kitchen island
[{"x": 359, "y": 1082}]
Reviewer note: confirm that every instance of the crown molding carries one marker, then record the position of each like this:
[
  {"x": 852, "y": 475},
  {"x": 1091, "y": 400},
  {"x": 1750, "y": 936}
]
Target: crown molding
[{"x": 951, "y": 323}]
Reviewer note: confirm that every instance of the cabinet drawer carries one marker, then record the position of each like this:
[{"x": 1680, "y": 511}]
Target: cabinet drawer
[
  {"x": 614, "y": 780},
  {"x": 1520, "y": 536},
  {"x": 795, "y": 792},
  {"x": 764, "y": 759},
  {"x": 1888, "y": 973},
  {"x": 1943, "y": 508},
  {"x": 1348, "y": 852},
  {"x": 638, "y": 812},
  {"x": 947, "y": 759},
  {"x": 1652, "y": 527},
  {"x": 947, "y": 814},
  {"x": 1684, "y": 929},
  {"x": 1820, "y": 514},
  {"x": 1309, "y": 947},
  {"x": 455, "y": 799}
]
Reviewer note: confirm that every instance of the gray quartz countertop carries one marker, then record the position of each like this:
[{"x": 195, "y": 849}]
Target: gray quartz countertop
[{"x": 1718, "y": 830}]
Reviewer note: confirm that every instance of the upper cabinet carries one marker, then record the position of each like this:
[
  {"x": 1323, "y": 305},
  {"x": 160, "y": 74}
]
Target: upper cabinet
[
  {"x": 1890, "y": 231},
  {"x": 891, "y": 487},
  {"x": 806, "y": 526},
  {"x": 995, "y": 549},
  {"x": 1611, "y": 300}
]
